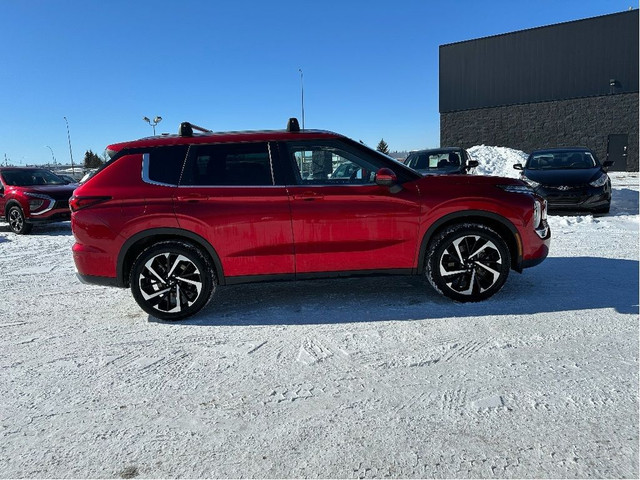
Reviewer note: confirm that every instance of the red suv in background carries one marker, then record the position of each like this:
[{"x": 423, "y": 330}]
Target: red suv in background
[
  {"x": 33, "y": 195},
  {"x": 172, "y": 217}
]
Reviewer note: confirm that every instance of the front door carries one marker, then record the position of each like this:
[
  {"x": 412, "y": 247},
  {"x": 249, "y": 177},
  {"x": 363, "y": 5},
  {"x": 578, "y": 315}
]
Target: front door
[
  {"x": 617, "y": 146},
  {"x": 342, "y": 220}
]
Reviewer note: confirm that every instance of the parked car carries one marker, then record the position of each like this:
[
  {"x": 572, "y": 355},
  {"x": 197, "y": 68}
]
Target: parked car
[
  {"x": 448, "y": 160},
  {"x": 67, "y": 178},
  {"x": 570, "y": 179},
  {"x": 32, "y": 195},
  {"x": 174, "y": 216}
]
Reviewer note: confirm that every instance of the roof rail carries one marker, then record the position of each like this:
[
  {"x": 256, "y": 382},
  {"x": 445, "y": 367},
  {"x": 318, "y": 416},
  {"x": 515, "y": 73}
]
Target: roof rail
[{"x": 186, "y": 129}]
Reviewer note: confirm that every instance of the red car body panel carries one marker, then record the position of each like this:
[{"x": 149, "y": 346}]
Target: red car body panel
[{"x": 354, "y": 228}]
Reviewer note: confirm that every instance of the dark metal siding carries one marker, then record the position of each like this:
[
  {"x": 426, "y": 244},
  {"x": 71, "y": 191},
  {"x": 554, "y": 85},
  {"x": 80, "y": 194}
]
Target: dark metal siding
[{"x": 568, "y": 60}]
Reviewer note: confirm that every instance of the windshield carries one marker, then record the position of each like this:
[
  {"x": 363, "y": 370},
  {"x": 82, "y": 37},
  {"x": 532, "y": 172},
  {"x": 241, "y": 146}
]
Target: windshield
[
  {"x": 27, "y": 178},
  {"x": 434, "y": 161},
  {"x": 561, "y": 161}
]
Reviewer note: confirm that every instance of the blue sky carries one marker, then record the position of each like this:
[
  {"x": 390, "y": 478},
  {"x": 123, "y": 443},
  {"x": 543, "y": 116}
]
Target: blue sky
[{"x": 370, "y": 67}]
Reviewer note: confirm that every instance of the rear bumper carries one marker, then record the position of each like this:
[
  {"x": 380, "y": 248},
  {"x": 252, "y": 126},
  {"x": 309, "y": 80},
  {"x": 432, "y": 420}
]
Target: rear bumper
[{"x": 102, "y": 281}]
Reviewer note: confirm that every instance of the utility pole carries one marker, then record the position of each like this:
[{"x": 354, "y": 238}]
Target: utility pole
[{"x": 73, "y": 171}]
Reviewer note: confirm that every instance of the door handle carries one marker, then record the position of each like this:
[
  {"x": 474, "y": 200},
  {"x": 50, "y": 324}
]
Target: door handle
[
  {"x": 308, "y": 196},
  {"x": 191, "y": 198}
]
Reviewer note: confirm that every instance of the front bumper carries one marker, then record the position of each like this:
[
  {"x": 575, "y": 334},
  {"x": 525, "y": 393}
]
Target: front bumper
[{"x": 582, "y": 198}]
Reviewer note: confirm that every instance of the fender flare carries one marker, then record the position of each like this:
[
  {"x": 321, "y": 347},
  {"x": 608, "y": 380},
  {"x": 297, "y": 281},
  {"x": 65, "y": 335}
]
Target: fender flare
[
  {"x": 514, "y": 243},
  {"x": 165, "y": 232}
]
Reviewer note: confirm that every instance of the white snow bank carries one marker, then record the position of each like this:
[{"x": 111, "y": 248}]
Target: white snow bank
[{"x": 497, "y": 161}]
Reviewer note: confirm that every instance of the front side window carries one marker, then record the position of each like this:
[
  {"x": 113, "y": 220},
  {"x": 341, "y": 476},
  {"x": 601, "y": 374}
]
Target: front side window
[
  {"x": 243, "y": 164},
  {"x": 332, "y": 164}
]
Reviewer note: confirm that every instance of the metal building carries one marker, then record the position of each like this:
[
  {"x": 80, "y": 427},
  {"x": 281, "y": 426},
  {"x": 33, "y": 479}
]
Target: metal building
[{"x": 569, "y": 84}]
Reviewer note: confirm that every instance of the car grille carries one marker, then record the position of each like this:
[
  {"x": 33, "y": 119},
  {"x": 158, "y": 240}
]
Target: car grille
[{"x": 61, "y": 204}]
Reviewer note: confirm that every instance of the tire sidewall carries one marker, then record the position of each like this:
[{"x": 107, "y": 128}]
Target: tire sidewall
[
  {"x": 194, "y": 255},
  {"x": 444, "y": 240},
  {"x": 26, "y": 228}
]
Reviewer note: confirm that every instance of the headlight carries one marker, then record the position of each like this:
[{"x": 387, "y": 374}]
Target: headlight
[
  {"x": 517, "y": 188},
  {"x": 36, "y": 201},
  {"x": 537, "y": 213},
  {"x": 532, "y": 183},
  {"x": 600, "y": 181}
]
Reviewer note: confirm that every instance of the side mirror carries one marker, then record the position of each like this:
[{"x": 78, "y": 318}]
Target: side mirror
[
  {"x": 1, "y": 190},
  {"x": 385, "y": 177},
  {"x": 608, "y": 163},
  {"x": 518, "y": 166},
  {"x": 472, "y": 164}
]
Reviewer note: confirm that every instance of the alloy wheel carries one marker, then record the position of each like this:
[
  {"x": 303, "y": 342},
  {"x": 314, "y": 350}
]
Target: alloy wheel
[
  {"x": 470, "y": 265},
  {"x": 170, "y": 283}
]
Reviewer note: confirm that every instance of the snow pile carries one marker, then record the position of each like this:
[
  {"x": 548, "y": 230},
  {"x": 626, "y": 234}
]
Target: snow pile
[{"x": 497, "y": 161}]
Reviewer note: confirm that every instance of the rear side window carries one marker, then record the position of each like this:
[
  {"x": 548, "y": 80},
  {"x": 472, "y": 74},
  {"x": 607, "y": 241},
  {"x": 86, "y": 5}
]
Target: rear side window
[
  {"x": 228, "y": 164},
  {"x": 164, "y": 164}
]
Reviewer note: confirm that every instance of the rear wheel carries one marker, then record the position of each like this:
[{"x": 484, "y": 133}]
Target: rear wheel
[
  {"x": 468, "y": 262},
  {"x": 17, "y": 223},
  {"x": 172, "y": 280}
]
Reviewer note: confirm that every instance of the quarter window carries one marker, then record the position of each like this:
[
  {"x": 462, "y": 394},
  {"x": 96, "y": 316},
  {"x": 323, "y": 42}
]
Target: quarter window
[
  {"x": 165, "y": 164},
  {"x": 228, "y": 164}
]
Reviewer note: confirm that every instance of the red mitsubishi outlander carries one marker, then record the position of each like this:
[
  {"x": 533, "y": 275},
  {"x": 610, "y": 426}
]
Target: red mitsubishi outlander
[
  {"x": 32, "y": 195},
  {"x": 174, "y": 216}
]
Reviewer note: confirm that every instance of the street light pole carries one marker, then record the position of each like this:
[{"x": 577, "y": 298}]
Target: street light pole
[
  {"x": 52, "y": 155},
  {"x": 156, "y": 121},
  {"x": 302, "y": 95},
  {"x": 73, "y": 170}
]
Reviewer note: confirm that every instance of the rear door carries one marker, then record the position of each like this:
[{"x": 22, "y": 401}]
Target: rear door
[
  {"x": 348, "y": 223},
  {"x": 227, "y": 195}
]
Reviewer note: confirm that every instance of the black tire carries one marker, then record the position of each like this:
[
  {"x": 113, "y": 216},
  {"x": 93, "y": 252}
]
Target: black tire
[
  {"x": 17, "y": 222},
  {"x": 172, "y": 280},
  {"x": 603, "y": 210},
  {"x": 468, "y": 262}
]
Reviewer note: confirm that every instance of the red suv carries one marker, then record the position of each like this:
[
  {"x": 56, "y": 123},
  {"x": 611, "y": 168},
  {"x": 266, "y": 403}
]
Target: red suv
[
  {"x": 173, "y": 217},
  {"x": 33, "y": 195}
]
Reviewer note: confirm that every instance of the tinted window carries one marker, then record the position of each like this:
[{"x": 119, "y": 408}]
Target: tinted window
[
  {"x": 325, "y": 163},
  {"x": 228, "y": 164},
  {"x": 165, "y": 164}
]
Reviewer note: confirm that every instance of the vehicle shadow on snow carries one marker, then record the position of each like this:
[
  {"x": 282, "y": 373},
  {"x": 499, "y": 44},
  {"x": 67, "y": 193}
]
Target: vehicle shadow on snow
[{"x": 557, "y": 285}]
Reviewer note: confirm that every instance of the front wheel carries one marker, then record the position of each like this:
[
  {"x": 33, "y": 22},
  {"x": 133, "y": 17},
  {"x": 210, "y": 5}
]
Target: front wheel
[
  {"x": 172, "y": 280},
  {"x": 17, "y": 223},
  {"x": 468, "y": 262}
]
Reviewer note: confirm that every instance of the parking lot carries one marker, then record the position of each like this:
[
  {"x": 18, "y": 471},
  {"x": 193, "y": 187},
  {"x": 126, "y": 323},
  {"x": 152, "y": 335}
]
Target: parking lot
[{"x": 368, "y": 377}]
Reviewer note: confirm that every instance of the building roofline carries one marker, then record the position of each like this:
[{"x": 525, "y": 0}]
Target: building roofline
[{"x": 626, "y": 12}]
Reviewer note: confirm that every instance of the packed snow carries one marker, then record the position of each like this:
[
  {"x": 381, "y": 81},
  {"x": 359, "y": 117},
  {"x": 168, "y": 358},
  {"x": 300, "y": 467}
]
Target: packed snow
[{"x": 348, "y": 378}]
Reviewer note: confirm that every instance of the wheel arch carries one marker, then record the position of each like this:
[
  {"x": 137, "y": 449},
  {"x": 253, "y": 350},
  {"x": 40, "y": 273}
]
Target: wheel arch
[
  {"x": 501, "y": 225},
  {"x": 9, "y": 204},
  {"x": 138, "y": 242}
]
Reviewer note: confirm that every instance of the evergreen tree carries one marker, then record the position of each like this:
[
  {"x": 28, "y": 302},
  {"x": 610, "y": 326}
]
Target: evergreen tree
[
  {"x": 383, "y": 147},
  {"x": 91, "y": 160}
]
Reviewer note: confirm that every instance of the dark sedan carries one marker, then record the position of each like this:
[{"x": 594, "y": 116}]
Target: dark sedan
[
  {"x": 571, "y": 179},
  {"x": 440, "y": 161}
]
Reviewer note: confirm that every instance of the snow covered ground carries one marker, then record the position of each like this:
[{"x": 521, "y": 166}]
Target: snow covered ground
[{"x": 373, "y": 377}]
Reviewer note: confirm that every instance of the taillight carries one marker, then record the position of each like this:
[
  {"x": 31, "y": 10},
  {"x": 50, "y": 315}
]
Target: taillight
[{"x": 78, "y": 203}]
